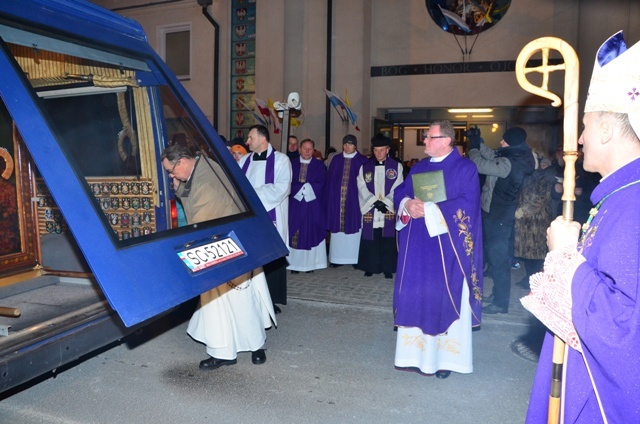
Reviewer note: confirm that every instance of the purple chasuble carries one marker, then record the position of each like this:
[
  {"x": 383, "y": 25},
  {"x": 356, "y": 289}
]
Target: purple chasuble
[
  {"x": 306, "y": 219},
  {"x": 426, "y": 295},
  {"x": 269, "y": 176},
  {"x": 343, "y": 208},
  {"x": 605, "y": 312},
  {"x": 390, "y": 177}
]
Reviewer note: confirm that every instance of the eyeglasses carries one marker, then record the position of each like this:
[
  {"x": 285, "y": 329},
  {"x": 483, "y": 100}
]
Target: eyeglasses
[
  {"x": 429, "y": 137},
  {"x": 174, "y": 166}
]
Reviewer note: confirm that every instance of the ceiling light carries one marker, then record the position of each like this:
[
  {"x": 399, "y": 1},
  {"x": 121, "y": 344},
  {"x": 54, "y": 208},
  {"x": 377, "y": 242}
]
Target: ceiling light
[
  {"x": 473, "y": 110},
  {"x": 482, "y": 116}
]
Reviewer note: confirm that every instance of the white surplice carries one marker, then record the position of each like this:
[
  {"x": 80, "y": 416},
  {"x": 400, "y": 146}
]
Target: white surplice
[
  {"x": 232, "y": 317},
  {"x": 274, "y": 195},
  {"x": 451, "y": 351},
  {"x": 344, "y": 248}
]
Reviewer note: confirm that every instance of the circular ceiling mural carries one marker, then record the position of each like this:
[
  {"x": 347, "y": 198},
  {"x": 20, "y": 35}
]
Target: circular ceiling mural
[{"x": 467, "y": 17}]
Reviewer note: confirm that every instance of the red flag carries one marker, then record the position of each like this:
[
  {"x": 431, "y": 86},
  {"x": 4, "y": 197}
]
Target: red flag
[
  {"x": 263, "y": 107},
  {"x": 274, "y": 117},
  {"x": 257, "y": 117}
]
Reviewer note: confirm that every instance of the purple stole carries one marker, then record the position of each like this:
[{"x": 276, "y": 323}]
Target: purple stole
[
  {"x": 269, "y": 177},
  {"x": 390, "y": 176}
]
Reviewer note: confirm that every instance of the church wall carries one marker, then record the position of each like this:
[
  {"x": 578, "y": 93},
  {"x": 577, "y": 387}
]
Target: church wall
[{"x": 291, "y": 53}]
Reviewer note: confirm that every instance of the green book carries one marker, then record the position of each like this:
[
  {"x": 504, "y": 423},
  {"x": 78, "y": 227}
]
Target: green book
[{"x": 429, "y": 186}]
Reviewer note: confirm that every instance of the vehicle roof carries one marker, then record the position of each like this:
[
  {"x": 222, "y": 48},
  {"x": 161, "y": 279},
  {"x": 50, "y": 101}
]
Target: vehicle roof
[{"x": 84, "y": 19}]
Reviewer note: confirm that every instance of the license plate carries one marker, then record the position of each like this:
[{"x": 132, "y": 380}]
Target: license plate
[{"x": 208, "y": 255}]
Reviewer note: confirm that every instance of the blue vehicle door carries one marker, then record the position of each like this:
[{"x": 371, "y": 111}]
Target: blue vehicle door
[{"x": 95, "y": 106}]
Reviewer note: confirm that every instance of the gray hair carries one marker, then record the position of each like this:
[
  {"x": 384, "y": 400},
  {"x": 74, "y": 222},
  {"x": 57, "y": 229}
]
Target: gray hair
[
  {"x": 446, "y": 129},
  {"x": 621, "y": 120},
  {"x": 175, "y": 152}
]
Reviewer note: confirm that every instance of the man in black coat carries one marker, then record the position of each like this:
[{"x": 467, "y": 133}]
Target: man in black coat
[{"x": 505, "y": 169}]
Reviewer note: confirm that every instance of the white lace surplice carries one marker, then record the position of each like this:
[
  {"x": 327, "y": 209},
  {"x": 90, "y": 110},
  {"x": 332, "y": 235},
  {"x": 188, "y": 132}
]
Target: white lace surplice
[{"x": 550, "y": 297}]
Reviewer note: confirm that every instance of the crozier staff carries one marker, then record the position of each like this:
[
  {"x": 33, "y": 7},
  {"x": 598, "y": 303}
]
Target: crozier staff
[{"x": 570, "y": 149}]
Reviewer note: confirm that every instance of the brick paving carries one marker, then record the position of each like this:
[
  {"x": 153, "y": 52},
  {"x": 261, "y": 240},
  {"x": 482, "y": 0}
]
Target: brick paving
[{"x": 346, "y": 285}]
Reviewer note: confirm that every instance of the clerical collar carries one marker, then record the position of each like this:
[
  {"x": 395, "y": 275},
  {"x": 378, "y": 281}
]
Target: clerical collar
[
  {"x": 350, "y": 155},
  {"x": 378, "y": 163},
  {"x": 305, "y": 160},
  {"x": 440, "y": 158},
  {"x": 260, "y": 156},
  {"x": 263, "y": 155}
]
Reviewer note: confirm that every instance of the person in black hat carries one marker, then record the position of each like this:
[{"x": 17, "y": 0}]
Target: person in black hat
[
  {"x": 344, "y": 219},
  {"x": 505, "y": 169},
  {"x": 377, "y": 181}
]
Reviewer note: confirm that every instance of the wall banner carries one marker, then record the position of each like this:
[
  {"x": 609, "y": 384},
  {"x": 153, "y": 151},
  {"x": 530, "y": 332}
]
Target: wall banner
[{"x": 243, "y": 69}]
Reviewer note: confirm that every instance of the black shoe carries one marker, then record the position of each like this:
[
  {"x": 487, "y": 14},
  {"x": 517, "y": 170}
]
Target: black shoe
[
  {"x": 258, "y": 357},
  {"x": 276, "y": 309},
  {"x": 388, "y": 275},
  {"x": 308, "y": 272},
  {"x": 295, "y": 272},
  {"x": 443, "y": 374},
  {"x": 213, "y": 363},
  {"x": 487, "y": 299},
  {"x": 334, "y": 265},
  {"x": 368, "y": 274},
  {"x": 493, "y": 309},
  {"x": 525, "y": 351}
]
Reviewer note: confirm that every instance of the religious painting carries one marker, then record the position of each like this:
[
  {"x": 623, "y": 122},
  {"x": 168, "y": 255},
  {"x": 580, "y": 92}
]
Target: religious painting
[
  {"x": 9, "y": 226},
  {"x": 467, "y": 17},
  {"x": 17, "y": 226}
]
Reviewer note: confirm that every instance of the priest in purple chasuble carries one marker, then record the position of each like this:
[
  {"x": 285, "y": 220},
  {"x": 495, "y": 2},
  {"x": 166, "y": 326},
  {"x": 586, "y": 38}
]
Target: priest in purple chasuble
[
  {"x": 438, "y": 286},
  {"x": 269, "y": 173},
  {"x": 344, "y": 219},
  {"x": 377, "y": 181},
  {"x": 307, "y": 232},
  {"x": 589, "y": 291}
]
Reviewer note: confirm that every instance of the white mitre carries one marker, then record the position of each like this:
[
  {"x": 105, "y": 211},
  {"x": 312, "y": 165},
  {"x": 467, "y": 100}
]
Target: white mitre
[{"x": 615, "y": 83}]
